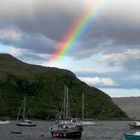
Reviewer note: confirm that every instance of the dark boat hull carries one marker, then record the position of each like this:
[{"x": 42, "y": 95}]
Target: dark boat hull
[
  {"x": 15, "y": 132},
  {"x": 131, "y": 137},
  {"x": 67, "y": 135},
  {"x": 133, "y": 126}
]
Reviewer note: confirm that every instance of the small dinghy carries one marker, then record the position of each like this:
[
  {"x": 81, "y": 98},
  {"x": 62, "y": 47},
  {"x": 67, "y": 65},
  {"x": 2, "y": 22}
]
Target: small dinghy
[
  {"x": 134, "y": 125},
  {"x": 135, "y": 136},
  {"x": 15, "y": 132}
]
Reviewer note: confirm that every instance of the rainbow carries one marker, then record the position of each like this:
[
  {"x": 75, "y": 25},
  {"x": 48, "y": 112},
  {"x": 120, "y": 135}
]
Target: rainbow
[{"x": 77, "y": 30}]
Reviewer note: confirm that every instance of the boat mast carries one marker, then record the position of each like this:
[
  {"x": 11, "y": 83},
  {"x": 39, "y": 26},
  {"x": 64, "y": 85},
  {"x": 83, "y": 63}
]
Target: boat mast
[
  {"x": 67, "y": 102},
  {"x": 83, "y": 106},
  {"x": 20, "y": 110},
  {"x": 24, "y": 108},
  {"x": 64, "y": 103}
]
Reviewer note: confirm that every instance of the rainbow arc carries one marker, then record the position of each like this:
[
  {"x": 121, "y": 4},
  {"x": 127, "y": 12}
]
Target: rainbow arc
[{"x": 78, "y": 28}]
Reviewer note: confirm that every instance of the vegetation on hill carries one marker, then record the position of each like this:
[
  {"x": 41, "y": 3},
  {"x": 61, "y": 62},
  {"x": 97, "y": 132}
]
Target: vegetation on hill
[{"x": 44, "y": 90}]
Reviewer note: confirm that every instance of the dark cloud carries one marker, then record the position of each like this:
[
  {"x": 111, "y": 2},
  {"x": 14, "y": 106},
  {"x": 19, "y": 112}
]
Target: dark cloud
[
  {"x": 107, "y": 38},
  {"x": 101, "y": 34},
  {"x": 32, "y": 57},
  {"x": 36, "y": 43},
  {"x": 52, "y": 26}
]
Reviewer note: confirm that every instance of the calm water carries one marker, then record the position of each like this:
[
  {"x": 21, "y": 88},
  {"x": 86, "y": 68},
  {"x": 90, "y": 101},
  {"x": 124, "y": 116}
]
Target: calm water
[{"x": 104, "y": 130}]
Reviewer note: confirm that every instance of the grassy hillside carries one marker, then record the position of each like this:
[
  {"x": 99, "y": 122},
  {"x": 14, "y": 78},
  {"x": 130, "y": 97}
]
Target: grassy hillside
[{"x": 44, "y": 90}]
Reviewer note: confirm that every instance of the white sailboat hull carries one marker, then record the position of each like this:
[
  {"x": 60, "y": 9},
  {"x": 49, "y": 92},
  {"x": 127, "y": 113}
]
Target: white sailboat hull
[
  {"x": 4, "y": 122},
  {"x": 88, "y": 123},
  {"x": 26, "y": 123}
]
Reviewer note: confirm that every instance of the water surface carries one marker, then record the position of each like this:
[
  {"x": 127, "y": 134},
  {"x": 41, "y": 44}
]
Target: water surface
[{"x": 104, "y": 130}]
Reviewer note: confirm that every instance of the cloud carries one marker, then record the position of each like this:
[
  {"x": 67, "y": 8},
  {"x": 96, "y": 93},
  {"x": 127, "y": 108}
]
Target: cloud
[
  {"x": 29, "y": 7},
  {"x": 128, "y": 59},
  {"x": 37, "y": 43},
  {"x": 15, "y": 51},
  {"x": 93, "y": 81},
  {"x": 108, "y": 51},
  {"x": 51, "y": 19},
  {"x": 9, "y": 34},
  {"x": 124, "y": 80},
  {"x": 124, "y": 10},
  {"x": 133, "y": 77},
  {"x": 33, "y": 58}
]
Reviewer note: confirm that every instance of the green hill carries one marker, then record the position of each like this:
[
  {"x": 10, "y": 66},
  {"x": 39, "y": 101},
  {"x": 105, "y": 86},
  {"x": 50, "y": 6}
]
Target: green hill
[{"x": 44, "y": 90}]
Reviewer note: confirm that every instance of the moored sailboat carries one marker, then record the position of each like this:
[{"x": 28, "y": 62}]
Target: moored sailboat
[
  {"x": 24, "y": 121},
  {"x": 134, "y": 125},
  {"x": 67, "y": 127},
  {"x": 85, "y": 122},
  {"x": 3, "y": 105}
]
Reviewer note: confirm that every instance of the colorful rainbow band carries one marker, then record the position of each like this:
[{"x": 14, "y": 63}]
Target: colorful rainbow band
[{"x": 77, "y": 30}]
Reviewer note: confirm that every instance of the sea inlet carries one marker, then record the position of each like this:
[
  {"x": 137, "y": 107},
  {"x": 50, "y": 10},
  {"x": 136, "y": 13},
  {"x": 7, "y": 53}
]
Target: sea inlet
[{"x": 103, "y": 130}]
